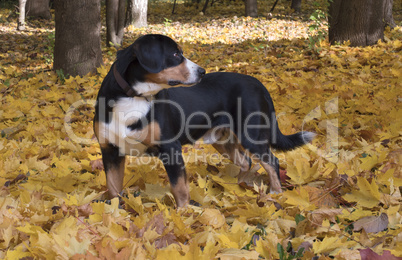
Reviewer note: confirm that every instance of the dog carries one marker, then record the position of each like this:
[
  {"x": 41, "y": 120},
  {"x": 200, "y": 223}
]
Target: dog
[{"x": 154, "y": 100}]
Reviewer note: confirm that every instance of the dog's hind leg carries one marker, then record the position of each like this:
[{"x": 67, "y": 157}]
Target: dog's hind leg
[
  {"x": 275, "y": 184},
  {"x": 261, "y": 153},
  {"x": 271, "y": 165},
  {"x": 228, "y": 145}
]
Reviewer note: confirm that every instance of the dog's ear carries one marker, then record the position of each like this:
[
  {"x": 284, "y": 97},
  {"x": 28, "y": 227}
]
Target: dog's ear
[
  {"x": 149, "y": 51},
  {"x": 124, "y": 58}
]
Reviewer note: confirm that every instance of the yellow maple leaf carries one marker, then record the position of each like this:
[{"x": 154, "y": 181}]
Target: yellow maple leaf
[
  {"x": 212, "y": 217},
  {"x": 299, "y": 197},
  {"x": 196, "y": 252},
  {"x": 356, "y": 214},
  {"x": 170, "y": 252},
  {"x": 300, "y": 172},
  {"x": 181, "y": 228},
  {"x": 238, "y": 236},
  {"x": 327, "y": 245},
  {"x": 102, "y": 70},
  {"x": 135, "y": 203},
  {"x": 367, "y": 195},
  {"x": 30, "y": 229},
  {"x": 267, "y": 247},
  {"x": 19, "y": 253},
  {"x": 397, "y": 249},
  {"x": 231, "y": 186}
]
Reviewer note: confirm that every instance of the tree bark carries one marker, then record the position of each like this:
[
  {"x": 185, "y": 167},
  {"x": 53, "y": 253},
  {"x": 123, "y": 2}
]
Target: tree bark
[
  {"x": 38, "y": 9},
  {"x": 137, "y": 13},
  {"x": 115, "y": 14},
  {"x": 360, "y": 21},
  {"x": 21, "y": 16},
  {"x": 251, "y": 8},
  {"x": 389, "y": 19},
  {"x": 77, "y": 48},
  {"x": 296, "y": 5}
]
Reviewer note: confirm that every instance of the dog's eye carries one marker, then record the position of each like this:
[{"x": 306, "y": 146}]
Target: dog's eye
[{"x": 177, "y": 54}]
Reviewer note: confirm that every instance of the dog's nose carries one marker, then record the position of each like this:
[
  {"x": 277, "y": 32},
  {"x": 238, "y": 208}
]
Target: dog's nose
[{"x": 201, "y": 72}]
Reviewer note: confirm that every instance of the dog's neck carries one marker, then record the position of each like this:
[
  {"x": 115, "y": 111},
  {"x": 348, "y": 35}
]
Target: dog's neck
[
  {"x": 147, "y": 89},
  {"x": 136, "y": 88}
]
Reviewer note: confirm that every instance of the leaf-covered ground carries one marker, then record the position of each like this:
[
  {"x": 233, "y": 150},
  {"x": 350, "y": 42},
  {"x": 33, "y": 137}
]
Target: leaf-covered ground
[{"x": 343, "y": 192}]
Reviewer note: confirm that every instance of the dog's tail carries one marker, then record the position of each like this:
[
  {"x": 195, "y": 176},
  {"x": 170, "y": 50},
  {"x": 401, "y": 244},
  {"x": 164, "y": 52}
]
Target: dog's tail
[{"x": 283, "y": 142}]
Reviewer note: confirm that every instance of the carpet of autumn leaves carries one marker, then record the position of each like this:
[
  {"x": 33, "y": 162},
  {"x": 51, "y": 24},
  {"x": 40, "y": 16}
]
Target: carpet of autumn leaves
[{"x": 343, "y": 192}]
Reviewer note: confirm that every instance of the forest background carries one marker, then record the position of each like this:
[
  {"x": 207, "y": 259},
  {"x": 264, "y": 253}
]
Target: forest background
[{"x": 343, "y": 192}]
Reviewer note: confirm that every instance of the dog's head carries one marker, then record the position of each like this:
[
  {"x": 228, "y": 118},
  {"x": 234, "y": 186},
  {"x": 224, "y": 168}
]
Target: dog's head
[{"x": 163, "y": 61}]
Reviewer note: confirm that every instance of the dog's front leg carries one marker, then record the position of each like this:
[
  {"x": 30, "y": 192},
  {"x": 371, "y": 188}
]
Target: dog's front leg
[
  {"x": 172, "y": 159},
  {"x": 114, "y": 164}
]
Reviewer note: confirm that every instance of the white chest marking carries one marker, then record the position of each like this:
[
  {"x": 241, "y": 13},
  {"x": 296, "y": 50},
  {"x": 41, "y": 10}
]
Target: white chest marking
[
  {"x": 147, "y": 88},
  {"x": 127, "y": 111}
]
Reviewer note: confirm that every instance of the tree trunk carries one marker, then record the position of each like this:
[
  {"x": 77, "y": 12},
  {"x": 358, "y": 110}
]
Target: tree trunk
[
  {"x": 38, "y": 9},
  {"x": 115, "y": 11},
  {"x": 389, "y": 19},
  {"x": 296, "y": 5},
  {"x": 21, "y": 17},
  {"x": 137, "y": 13},
  {"x": 77, "y": 48},
  {"x": 251, "y": 8},
  {"x": 360, "y": 21}
]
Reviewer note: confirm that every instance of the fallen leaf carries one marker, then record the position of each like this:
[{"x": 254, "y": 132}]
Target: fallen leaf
[
  {"x": 212, "y": 217},
  {"x": 368, "y": 254},
  {"x": 237, "y": 254},
  {"x": 367, "y": 195},
  {"x": 372, "y": 224}
]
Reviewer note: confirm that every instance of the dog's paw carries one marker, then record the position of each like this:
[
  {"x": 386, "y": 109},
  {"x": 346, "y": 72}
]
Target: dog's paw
[{"x": 275, "y": 191}]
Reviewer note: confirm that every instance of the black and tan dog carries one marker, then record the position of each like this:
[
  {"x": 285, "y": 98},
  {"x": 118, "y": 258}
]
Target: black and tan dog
[{"x": 143, "y": 107}]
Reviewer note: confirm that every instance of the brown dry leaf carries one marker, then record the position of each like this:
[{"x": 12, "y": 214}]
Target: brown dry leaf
[
  {"x": 369, "y": 254},
  {"x": 322, "y": 198},
  {"x": 372, "y": 224},
  {"x": 96, "y": 164},
  {"x": 394, "y": 161},
  {"x": 248, "y": 180},
  {"x": 365, "y": 240},
  {"x": 317, "y": 216},
  {"x": 165, "y": 240},
  {"x": 348, "y": 254},
  {"x": 156, "y": 224}
]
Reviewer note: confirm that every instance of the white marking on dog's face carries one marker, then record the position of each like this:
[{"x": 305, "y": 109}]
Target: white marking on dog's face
[{"x": 194, "y": 75}]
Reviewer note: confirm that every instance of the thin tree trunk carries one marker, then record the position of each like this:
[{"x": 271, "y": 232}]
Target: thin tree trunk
[
  {"x": 273, "y": 6},
  {"x": 21, "y": 17},
  {"x": 296, "y": 5},
  {"x": 77, "y": 48},
  {"x": 137, "y": 13},
  {"x": 38, "y": 9},
  {"x": 204, "y": 10},
  {"x": 389, "y": 19},
  {"x": 251, "y": 8},
  {"x": 115, "y": 15},
  {"x": 361, "y": 22}
]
